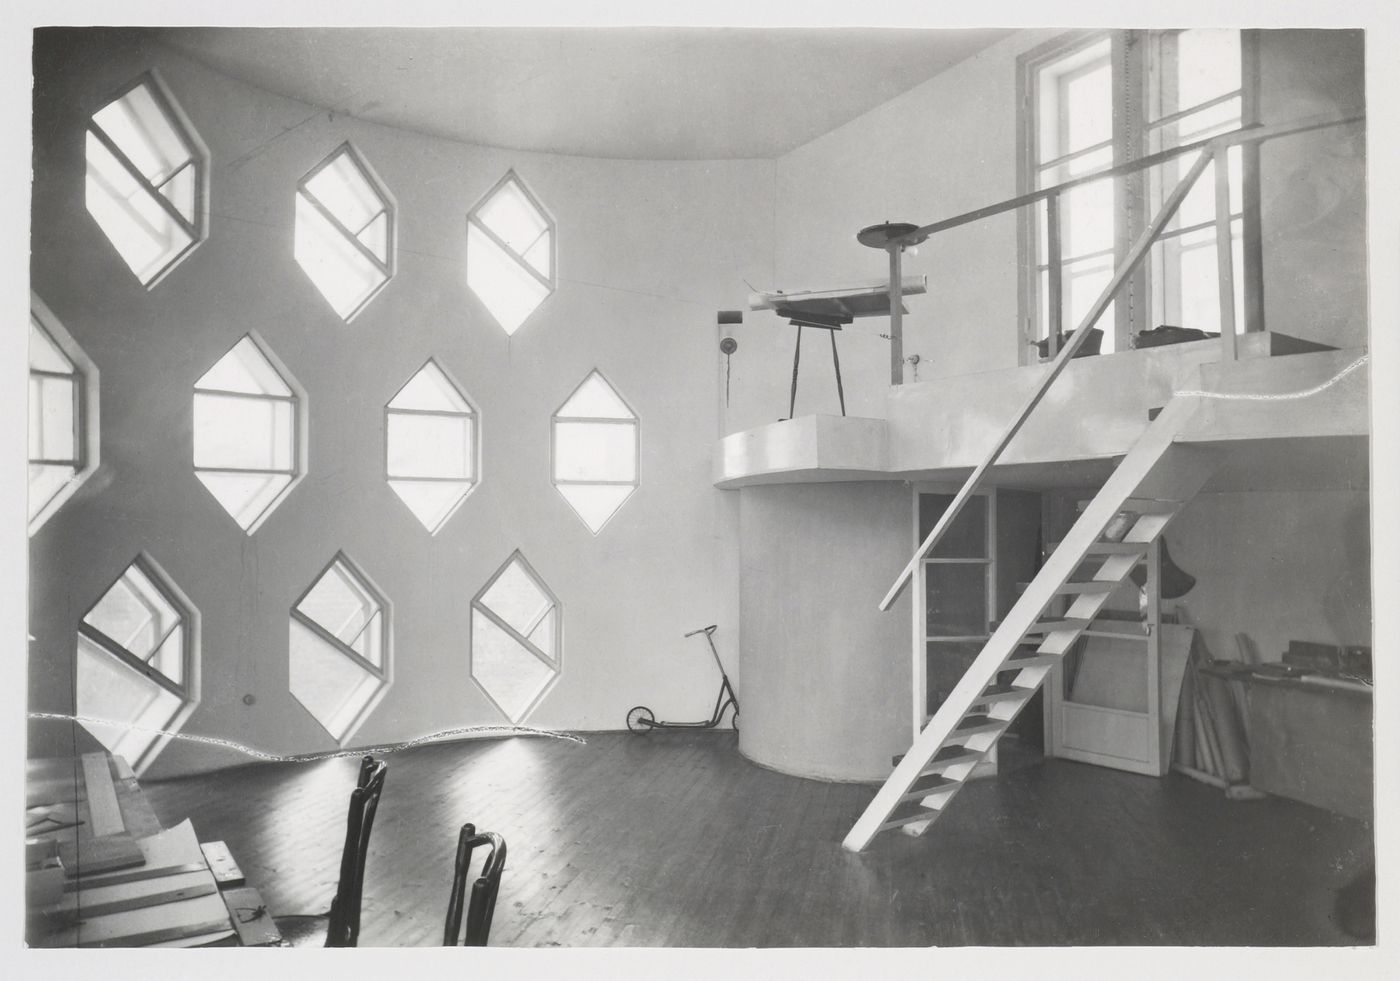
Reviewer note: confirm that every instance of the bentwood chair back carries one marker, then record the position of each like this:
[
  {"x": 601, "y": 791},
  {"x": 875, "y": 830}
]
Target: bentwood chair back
[
  {"x": 482, "y": 904},
  {"x": 342, "y": 924}
]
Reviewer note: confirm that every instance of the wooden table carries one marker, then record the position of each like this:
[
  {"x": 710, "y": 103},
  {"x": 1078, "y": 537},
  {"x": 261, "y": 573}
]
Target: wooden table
[{"x": 103, "y": 872}]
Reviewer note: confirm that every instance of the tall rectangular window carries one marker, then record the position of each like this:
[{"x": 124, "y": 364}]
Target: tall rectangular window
[{"x": 1093, "y": 102}]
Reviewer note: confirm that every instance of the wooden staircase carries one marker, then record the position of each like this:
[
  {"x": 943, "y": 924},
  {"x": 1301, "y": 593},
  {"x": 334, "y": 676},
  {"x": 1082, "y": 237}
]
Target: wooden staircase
[{"x": 1152, "y": 483}]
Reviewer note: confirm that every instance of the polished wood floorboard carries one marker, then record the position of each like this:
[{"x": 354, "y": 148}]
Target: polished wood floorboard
[{"x": 672, "y": 839}]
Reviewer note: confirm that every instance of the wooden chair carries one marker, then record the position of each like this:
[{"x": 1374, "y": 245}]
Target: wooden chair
[
  {"x": 483, "y": 899},
  {"x": 341, "y": 926}
]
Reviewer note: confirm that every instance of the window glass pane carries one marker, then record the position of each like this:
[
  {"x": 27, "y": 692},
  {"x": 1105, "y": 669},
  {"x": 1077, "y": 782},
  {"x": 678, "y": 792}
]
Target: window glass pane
[
  {"x": 333, "y": 688},
  {"x": 375, "y": 237},
  {"x": 595, "y": 503},
  {"x": 242, "y": 433},
  {"x": 1087, "y": 219},
  {"x": 429, "y": 446},
  {"x": 44, "y": 354},
  {"x": 509, "y": 292},
  {"x": 144, "y": 234},
  {"x": 343, "y": 190},
  {"x": 511, "y": 675},
  {"x": 593, "y": 451},
  {"x": 595, "y": 399},
  {"x": 1099, "y": 672},
  {"x": 432, "y": 502},
  {"x": 957, "y": 599},
  {"x": 179, "y": 191},
  {"x": 244, "y": 369},
  {"x": 1207, "y": 65},
  {"x": 430, "y": 389},
  {"x": 539, "y": 254},
  {"x": 134, "y": 614},
  {"x": 516, "y": 598},
  {"x": 967, "y": 537},
  {"x": 137, "y": 125},
  {"x": 513, "y": 218},
  {"x": 338, "y": 604},
  {"x": 1087, "y": 108},
  {"x": 109, "y": 689},
  {"x": 45, "y": 481},
  {"x": 947, "y": 662},
  {"x": 245, "y": 496},
  {"x": 343, "y": 274}
]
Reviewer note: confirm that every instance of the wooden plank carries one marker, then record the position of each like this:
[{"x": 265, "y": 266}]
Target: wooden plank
[
  {"x": 86, "y": 856},
  {"x": 77, "y": 910},
  {"x": 250, "y": 916},
  {"x": 104, "y": 813},
  {"x": 1224, "y": 258}
]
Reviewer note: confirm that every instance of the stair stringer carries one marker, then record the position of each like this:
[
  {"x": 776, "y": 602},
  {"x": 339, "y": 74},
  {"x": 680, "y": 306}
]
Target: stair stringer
[{"x": 1155, "y": 468}]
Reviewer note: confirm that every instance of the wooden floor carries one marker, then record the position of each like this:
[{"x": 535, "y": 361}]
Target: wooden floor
[{"x": 673, "y": 839}]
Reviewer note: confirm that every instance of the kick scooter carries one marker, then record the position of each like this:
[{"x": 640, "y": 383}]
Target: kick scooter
[{"x": 642, "y": 719}]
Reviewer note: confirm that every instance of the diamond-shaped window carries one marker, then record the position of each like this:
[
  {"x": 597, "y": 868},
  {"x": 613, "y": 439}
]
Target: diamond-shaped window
[
  {"x": 136, "y": 664},
  {"x": 247, "y": 445},
  {"x": 595, "y": 451},
  {"x": 510, "y": 252},
  {"x": 344, "y": 237},
  {"x": 338, "y": 650},
  {"x": 62, "y": 415},
  {"x": 146, "y": 184},
  {"x": 515, "y": 638},
  {"x": 431, "y": 446}
]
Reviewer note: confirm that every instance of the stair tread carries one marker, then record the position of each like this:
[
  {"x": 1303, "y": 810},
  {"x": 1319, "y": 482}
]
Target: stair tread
[
  {"x": 928, "y": 783},
  {"x": 1089, "y": 586},
  {"x": 1116, "y": 548},
  {"x": 1033, "y": 660},
  {"x": 1061, "y": 623},
  {"x": 997, "y": 693},
  {"x": 1151, "y": 505},
  {"x": 922, "y": 814}
]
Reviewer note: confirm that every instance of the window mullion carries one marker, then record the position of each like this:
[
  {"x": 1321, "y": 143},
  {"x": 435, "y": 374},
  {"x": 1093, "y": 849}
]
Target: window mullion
[
  {"x": 519, "y": 259},
  {"x": 340, "y": 647},
  {"x": 340, "y": 227},
  {"x": 140, "y": 178},
  {"x": 130, "y": 660},
  {"x": 514, "y": 635}
]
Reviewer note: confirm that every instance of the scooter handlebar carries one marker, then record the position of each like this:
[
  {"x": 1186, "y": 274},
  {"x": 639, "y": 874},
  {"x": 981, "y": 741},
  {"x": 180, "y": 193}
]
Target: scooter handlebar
[{"x": 703, "y": 630}]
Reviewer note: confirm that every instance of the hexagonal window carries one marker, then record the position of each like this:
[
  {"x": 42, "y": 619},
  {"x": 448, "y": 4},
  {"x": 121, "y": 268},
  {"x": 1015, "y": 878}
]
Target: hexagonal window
[
  {"x": 146, "y": 186},
  {"x": 595, "y": 451},
  {"x": 248, "y": 445},
  {"x": 510, "y": 252},
  {"x": 432, "y": 453},
  {"x": 344, "y": 238},
  {"x": 515, "y": 633},
  {"x": 62, "y": 415},
  {"x": 338, "y": 651},
  {"x": 137, "y": 664}
]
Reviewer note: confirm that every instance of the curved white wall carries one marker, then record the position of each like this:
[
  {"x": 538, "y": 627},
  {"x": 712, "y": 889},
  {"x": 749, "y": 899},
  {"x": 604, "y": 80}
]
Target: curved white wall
[{"x": 647, "y": 252}]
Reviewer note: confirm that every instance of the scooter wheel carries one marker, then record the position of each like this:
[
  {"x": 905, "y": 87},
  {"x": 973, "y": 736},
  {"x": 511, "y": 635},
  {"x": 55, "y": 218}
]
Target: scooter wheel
[{"x": 640, "y": 719}]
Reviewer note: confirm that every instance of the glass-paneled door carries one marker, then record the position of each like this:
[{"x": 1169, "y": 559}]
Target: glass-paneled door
[{"x": 956, "y": 597}]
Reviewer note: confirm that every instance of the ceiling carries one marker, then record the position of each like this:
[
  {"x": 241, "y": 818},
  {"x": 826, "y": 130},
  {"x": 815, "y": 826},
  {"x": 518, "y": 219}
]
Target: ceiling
[{"x": 645, "y": 93}]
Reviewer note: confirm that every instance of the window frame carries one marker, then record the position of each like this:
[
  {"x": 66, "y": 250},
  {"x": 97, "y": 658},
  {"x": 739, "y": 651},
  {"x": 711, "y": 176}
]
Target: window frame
[
  {"x": 198, "y": 230},
  {"x": 389, "y": 208},
  {"x": 188, "y": 689},
  {"x": 635, "y": 422},
  {"x": 1131, "y": 54},
  {"x": 382, "y": 674},
  {"x": 550, "y": 282},
  {"x": 300, "y": 413},
  {"x": 555, "y": 664},
  {"x": 473, "y": 414},
  {"x": 86, "y": 410}
]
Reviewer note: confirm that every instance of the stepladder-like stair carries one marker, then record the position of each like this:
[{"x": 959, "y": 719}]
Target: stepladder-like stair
[{"x": 1148, "y": 488}]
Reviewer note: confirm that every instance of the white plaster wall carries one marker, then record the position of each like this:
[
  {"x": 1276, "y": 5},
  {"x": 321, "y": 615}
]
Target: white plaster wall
[{"x": 643, "y": 249}]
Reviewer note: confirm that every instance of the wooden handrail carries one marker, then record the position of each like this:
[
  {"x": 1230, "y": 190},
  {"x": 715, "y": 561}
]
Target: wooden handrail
[
  {"x": 1255, "y": 133},
  {"x": 1126, "y": 268}
]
